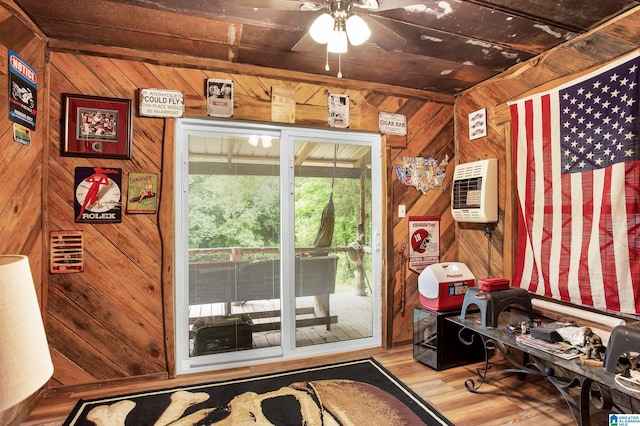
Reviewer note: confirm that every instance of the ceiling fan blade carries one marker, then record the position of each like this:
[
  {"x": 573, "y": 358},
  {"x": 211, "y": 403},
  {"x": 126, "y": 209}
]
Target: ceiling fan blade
[
  {"x": 382, "y": 35},
  {"x": 271, "y": 4},
  {"x": 305, "y": 44}
]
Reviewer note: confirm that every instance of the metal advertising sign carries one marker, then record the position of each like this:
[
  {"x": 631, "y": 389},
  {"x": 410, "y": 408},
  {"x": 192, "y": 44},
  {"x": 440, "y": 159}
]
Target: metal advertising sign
[
  {"x": 424, "y": 242},
  {"x": 23, "y": 96},
  {"x": 66, "y": 252},
  {"x": 98, "y": 195},
  {"x": 143, "y": 191}
]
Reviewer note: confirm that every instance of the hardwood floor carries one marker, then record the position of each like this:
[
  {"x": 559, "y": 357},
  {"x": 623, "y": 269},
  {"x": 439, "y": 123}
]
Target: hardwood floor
[{"x": 511, "y": 401}]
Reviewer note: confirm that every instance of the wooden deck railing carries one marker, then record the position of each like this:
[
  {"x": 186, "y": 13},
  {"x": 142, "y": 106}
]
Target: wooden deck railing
[
  {"x": 354, "y": 252},
  {"x": 237, "y": 253}
]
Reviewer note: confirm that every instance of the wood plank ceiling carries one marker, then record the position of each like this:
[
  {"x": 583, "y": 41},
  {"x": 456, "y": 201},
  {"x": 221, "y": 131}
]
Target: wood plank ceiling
[{"x": 440, "y": 46}]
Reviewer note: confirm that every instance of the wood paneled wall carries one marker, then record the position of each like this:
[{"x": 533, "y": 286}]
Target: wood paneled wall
[
  {"x": 23, "y": 167},
  {"x": 113, "y": 322},
  {"x": 430, "y": 134},
  {"x": 584, "y": 53},
  {"x": 22, "y": 205}
]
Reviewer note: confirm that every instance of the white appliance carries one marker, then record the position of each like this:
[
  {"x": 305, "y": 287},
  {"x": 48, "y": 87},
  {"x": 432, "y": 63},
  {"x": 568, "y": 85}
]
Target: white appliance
[
  {"x": 442, "y": 286},
  {"x": 474, "y": 194}
]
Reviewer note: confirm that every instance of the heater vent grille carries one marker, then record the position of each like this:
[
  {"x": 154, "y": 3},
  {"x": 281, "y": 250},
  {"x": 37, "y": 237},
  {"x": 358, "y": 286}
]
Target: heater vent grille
[{"x": 474, "y": 191}]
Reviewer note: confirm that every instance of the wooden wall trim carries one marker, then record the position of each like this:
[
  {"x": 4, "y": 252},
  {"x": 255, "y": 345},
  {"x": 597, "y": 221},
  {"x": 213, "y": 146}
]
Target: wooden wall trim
[
  {"x": 16, "y": 11},
  {"x": 510, "y": 207},
  {"x": 166, "y": 221},
  {"x": 43, "y": 108},
  {"x": 205, "y": 64},
  {"x": 388, "y": 283}
]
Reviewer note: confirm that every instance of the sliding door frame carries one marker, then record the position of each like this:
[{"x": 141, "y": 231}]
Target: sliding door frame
[{"x": 286, "y": 135}]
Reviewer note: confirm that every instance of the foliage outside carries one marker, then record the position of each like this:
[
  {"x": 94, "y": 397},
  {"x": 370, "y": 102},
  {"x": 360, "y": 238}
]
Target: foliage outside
[{"x": 244, "y": 211}]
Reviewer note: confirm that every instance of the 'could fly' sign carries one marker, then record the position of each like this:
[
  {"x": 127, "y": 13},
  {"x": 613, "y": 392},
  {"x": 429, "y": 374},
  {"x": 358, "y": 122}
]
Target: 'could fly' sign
[{"x": 161, "y": 103}]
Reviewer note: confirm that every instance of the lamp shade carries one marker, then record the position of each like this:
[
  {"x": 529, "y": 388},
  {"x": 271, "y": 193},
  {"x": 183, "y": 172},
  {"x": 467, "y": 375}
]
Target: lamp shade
[
  {"x": 320, "y": 30},
  {"x": 338, "y": 42},
  {"x": 357, "y": 30},
  {"x": 25, "y": 360}
]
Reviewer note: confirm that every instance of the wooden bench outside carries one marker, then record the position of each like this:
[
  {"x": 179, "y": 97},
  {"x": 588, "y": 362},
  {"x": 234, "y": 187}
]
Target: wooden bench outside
[{"x": 240, "y": 281}]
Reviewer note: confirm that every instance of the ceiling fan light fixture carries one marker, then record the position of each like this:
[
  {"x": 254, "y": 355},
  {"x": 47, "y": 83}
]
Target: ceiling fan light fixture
[
  {"x": 338, "y": 42},
  {"x": 357, "y": 30},
  {"x": 321, "y": 28},
  {"x": 339, "y": 27}
]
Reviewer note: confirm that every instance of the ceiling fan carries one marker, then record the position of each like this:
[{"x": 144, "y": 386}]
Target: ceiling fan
[{"x": 341, "y": 19}]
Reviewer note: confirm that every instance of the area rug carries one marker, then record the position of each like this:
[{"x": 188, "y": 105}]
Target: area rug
[{"x": 354, "y": 393}]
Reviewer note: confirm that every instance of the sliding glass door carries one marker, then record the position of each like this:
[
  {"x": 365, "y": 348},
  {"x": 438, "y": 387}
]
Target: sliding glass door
[
  {"x": 277, "y": 242},
  {"x": 333, "y": 293}
]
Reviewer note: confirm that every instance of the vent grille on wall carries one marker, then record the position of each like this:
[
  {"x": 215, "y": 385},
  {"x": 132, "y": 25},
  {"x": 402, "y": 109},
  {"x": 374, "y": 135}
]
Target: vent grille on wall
[{"x": 474, "y": 195}]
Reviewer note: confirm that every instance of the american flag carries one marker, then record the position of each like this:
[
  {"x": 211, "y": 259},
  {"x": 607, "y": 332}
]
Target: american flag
[{"x": 577, "y": 160}]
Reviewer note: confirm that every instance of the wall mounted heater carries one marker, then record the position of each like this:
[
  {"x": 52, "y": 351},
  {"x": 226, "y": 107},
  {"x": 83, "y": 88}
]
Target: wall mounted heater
[{"x": 474, "y": 194}]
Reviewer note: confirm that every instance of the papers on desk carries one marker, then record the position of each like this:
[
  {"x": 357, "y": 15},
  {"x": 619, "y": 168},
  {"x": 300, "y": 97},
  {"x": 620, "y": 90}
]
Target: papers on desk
[{"x": 560, "y": 349}]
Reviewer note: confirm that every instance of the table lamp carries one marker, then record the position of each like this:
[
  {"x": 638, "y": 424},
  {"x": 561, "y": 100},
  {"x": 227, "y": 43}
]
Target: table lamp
[{"x": 25, "y": 360}]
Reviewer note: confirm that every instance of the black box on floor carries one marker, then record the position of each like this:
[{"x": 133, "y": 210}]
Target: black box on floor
[
  {"x": 222, "y": 334},
  {"x": 436, "y": 343}
]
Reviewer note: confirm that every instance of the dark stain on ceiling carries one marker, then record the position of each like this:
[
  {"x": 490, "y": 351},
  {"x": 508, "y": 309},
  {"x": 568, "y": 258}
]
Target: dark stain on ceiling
[{"x": 439, "y": 46}]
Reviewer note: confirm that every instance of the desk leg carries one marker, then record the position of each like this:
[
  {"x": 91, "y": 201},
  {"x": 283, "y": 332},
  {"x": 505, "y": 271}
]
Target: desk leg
[
  {"x": 521, "y": 370},
  {"x": 590, "y": 391}
]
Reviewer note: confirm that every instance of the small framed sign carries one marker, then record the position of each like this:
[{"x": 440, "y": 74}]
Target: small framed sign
[
  {"x": 66, "y": 252},
  {"x": 339, "y": 110},
  {"x": 97, "y": 127},
  {"x": 23, "y": 97},
  {"x": 478, "y": 124},
  {"x": 219, "y": 97},
  {"x": 143, "y": 193},
  {"x": 424, "y": 242},
  {"x": 392, "y": 124},
  {"x": 161, "y": 103}
]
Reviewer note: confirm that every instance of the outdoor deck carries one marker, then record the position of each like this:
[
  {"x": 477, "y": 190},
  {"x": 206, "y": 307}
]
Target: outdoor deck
[{"x": 352, "y": 312}]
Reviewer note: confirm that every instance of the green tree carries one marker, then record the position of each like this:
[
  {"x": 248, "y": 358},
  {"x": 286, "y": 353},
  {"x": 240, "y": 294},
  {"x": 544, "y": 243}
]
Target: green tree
[
  {"x": 234, "y": 211},
  {"x": 244, "y": 211}
]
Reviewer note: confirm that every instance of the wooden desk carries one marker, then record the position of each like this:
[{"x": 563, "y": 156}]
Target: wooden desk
[{"x": 595, "y": 384}]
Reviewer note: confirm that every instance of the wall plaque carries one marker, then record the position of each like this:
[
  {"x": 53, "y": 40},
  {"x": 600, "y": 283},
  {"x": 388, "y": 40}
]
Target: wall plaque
[{"x": 161, "y": 103}]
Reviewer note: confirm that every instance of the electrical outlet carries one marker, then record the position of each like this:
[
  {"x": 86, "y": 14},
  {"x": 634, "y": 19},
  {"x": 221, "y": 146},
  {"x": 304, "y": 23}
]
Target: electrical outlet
[{"x": 402, "y": 210}]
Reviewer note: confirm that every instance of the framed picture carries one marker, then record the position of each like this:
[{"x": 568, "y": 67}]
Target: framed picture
[{"x": 96, "y": 127}]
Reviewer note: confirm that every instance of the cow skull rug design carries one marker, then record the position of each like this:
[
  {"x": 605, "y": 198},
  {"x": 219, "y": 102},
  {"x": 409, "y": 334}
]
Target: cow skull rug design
[{"x": 330, "y": 402}]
